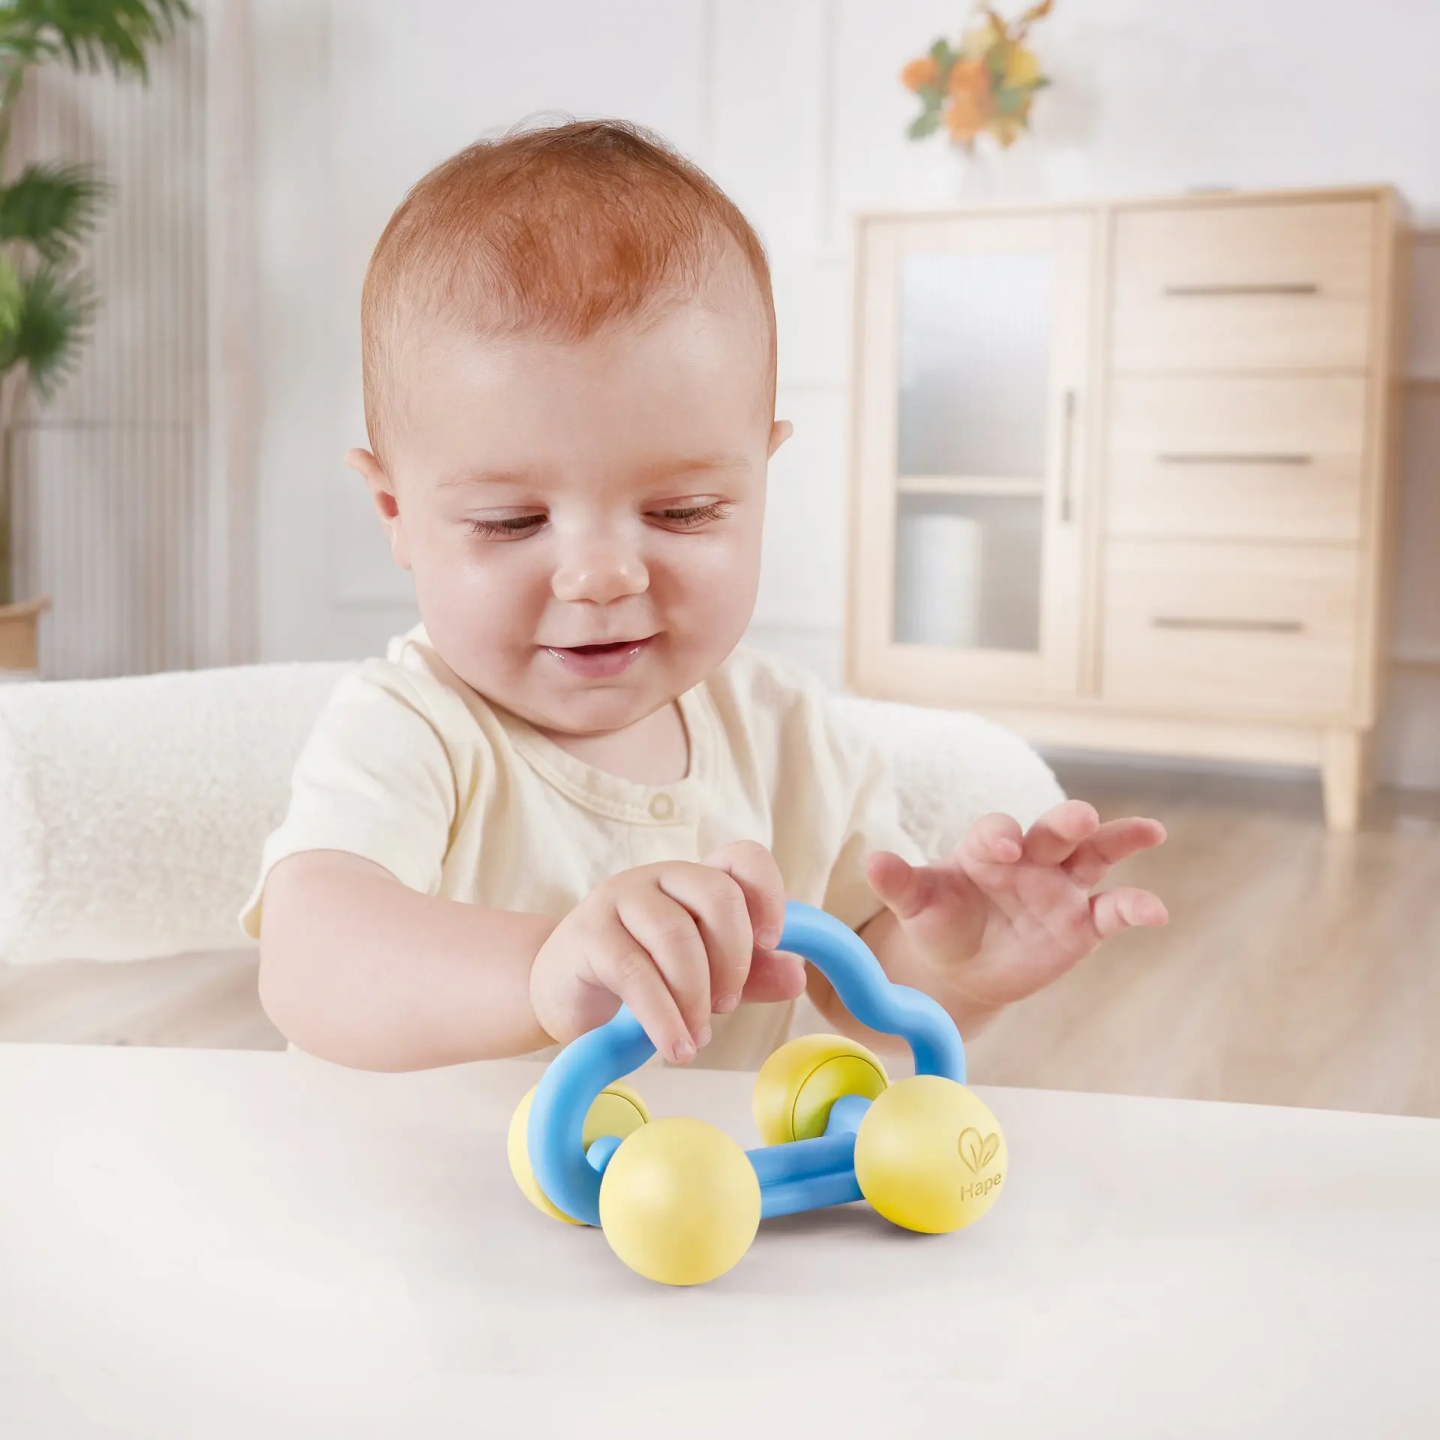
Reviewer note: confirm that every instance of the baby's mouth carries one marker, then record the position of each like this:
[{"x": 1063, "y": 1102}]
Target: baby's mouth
[{"x": 598, "y": 661}]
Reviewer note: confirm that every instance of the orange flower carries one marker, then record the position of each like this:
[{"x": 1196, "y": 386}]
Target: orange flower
[
  {"x": 969, "y": 108},
  {"x": 970, "y": 77},
  {"x": 964, "y": 117},
  {"x": 920, "y": 73}
]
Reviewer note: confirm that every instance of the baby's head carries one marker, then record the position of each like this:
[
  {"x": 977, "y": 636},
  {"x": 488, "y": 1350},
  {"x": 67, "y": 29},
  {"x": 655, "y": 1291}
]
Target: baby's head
[{"x": 569, "y": 366}]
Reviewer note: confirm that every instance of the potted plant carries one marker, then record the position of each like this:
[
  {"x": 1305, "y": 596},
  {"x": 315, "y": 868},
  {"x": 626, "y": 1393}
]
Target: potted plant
[{"x": 47, "y": 211}]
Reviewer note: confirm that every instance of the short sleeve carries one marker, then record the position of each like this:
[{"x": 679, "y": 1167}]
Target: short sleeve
[
  {"x": 873, "y": 823},
  {"x": 374, "y": 780}
]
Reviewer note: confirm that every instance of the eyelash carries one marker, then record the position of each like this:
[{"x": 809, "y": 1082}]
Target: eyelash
[{"x": 689, "y": 516}]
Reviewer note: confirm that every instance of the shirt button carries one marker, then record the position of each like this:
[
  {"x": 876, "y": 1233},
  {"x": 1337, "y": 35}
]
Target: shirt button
[{"x": 662, "y": 807}]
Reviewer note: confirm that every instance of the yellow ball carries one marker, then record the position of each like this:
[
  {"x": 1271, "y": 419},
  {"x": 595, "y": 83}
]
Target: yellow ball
[
  {"x": 799, "y": 1083},
  {"x": 930, "y": 1156},
  {"x": 680, "y": 1202},
  {"x": 617, "y": 1110}
]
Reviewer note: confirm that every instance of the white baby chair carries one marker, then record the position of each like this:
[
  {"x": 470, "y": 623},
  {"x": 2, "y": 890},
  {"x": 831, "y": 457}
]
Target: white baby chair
[{"x": 132, "y": 811}]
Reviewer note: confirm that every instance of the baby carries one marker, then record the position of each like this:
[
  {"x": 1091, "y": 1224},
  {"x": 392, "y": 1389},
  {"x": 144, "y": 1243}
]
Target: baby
[{"x": 570, "y": 785}]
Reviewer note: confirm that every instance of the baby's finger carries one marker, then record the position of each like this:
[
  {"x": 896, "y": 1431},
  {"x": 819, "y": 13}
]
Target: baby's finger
[
  {"x": 906, "y": 889},
  {"x": 755, "y": 871},
  {"x": 668, "y": 932},
  {"x": 1052, "y": 839},
  {"x": 775, "y": 975},
  {"x": 1115, "y": 910},
  {"x": 717, "y": 903},
  {"x": 1114, "y": 841},
  {"x": 992, "y": 840},
  {"x": 624, "y": 967}
]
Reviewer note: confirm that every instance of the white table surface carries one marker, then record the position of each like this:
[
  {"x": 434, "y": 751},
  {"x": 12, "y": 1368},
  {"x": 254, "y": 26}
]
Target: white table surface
[{"x": 213, "y": 1244}]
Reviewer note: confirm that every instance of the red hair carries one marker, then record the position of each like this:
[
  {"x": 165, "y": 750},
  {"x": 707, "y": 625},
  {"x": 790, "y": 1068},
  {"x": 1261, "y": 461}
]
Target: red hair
[{"x": 555, "y": 231}]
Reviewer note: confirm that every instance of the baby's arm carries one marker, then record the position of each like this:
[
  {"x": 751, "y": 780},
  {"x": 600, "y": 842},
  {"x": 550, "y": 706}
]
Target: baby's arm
[{"x": 359, "y": 969}]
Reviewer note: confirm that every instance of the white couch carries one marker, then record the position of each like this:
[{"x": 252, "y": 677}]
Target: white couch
[{"x": 132, "y": 811}]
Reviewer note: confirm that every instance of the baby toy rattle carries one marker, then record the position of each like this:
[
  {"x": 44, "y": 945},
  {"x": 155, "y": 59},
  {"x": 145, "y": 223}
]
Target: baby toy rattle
[{"x": 679, "y": 1201}]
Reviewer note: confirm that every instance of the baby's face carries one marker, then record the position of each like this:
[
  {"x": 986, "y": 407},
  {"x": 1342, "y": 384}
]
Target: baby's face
[{"x": 583, "y": 520}]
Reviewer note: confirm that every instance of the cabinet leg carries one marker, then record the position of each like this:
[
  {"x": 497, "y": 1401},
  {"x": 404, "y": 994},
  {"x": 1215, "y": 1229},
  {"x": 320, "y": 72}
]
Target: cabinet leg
[{"x": 1345, "y": 773}]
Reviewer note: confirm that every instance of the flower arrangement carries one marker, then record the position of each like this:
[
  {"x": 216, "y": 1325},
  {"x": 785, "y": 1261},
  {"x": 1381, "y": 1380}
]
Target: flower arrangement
[{"x": 984, "y": 87}]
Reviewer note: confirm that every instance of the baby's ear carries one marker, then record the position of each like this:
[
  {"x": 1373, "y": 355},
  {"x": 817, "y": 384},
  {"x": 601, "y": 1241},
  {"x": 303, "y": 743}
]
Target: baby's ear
[
  {"x": 780, "y": 432},
  {"x": 382, "y": 493}
]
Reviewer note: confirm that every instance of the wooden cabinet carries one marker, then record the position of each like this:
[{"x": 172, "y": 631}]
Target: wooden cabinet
[{"x": 1121, "y": 472}]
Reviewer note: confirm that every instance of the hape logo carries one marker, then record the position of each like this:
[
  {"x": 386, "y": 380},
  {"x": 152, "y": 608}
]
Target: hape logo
[{"x": 977, "y": 1151}]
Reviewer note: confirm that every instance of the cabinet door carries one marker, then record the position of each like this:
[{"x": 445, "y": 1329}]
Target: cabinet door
[{"x": 969, "y": 471}]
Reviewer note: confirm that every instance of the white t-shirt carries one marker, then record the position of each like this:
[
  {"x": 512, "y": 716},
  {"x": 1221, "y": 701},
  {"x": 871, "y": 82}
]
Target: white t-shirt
[{"x": 409, "y": 767}]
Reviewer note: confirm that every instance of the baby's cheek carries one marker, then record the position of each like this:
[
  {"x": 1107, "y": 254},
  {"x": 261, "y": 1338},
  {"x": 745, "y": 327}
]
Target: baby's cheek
[
  {"x": 722, "y": 572},
  {"x": 711, "y": 598},
  {"x": 475, "y": 601}
]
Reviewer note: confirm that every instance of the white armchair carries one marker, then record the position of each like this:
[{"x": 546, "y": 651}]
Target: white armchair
[{"x": 132, "y": 811}]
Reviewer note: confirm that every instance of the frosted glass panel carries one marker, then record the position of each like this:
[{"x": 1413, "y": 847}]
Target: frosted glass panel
[
  {"x": 974, "y": 364},
  {"x": 967, "y": 571}
]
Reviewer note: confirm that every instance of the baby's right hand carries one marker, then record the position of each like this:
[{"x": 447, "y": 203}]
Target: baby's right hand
[{"x": 675, "y": 941}]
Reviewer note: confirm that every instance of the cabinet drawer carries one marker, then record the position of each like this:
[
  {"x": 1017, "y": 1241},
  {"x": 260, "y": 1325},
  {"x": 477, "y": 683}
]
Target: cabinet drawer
[
  {"x": 1236, "y": 457},
  {"x": 1235, "y": 629},
  {"x": 1236, "y": 287}
]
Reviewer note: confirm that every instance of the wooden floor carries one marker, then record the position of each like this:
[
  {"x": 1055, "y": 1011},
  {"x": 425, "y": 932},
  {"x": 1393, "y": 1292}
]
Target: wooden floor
[{"x": 1300, "y": 967}]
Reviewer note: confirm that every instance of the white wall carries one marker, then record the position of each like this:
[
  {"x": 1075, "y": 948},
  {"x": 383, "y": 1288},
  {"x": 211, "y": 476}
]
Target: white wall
[{"x": 793, "y": 105}]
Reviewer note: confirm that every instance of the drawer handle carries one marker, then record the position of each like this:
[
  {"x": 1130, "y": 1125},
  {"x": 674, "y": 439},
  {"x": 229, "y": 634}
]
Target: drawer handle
[
  {"x": 1300, "y": 287},
  {"x": 1198, "y": 622},
  {"x": 1220, "y": 457}
]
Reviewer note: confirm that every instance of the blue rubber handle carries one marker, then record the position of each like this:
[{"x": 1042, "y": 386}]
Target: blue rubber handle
[
  {"x": 563, "y": 1099},
  {"x": 864, "y": 989},
  {"x": 587, "y": 1065}
]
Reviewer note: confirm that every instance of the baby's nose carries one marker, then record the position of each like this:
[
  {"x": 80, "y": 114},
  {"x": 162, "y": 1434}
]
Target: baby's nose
[{"x": 601, "y": 573}]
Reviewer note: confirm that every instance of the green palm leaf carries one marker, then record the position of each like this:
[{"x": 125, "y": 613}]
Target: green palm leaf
[
  {"x": 12, "y": 294},
  {"x": 90, "y": 34},
  {"x": 48, "y": 332},
  {"x": 52, "y": 207}
]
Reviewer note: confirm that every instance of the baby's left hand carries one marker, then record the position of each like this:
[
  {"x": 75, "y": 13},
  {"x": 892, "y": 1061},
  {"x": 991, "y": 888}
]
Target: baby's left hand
[{"x": 1008, "y": 913}]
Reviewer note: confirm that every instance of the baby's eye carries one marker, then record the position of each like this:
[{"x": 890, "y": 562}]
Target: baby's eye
[
  {"x": 508, "y": 528},
  {"x": 687, "y": 517}
]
